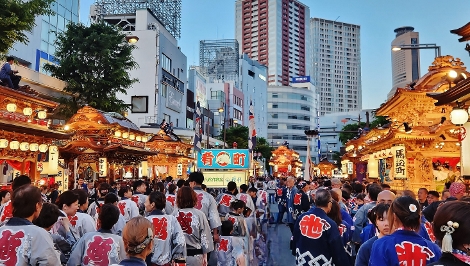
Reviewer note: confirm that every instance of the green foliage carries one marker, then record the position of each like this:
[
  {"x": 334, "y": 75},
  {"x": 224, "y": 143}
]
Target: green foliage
[
  {"x": 239, "y": 134},
  {"x": 353, "y": 128},
  {"x": 379, "y": 121},
  {"x": 17, "y": 18},
  {"x": 94, "y": 61}
]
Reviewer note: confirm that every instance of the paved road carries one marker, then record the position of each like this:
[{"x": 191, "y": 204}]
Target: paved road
[{"x": 278, "y": 246}]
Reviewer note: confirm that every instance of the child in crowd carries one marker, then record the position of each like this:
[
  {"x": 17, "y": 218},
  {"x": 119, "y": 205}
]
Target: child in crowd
[{"x": 230, "y": 250}]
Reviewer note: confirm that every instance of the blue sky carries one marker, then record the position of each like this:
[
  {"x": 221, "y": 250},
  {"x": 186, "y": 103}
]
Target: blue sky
[{"x": 433, "y": 19}]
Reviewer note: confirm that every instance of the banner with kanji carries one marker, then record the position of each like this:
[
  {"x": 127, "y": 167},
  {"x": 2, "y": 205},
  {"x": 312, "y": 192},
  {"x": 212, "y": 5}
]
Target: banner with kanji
[
  {"x": 399, "y": 162},
  {"x": 251, "y": 128}
]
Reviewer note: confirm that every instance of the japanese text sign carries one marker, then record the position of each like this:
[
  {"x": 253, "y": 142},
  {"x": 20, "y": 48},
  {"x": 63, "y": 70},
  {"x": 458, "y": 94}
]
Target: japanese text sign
[
  {"x": 103, "y": 167},
  {"x": 223, "y": 159},
  {"x": 220, "y": 179},
  {"x": 399, "y": 162}
]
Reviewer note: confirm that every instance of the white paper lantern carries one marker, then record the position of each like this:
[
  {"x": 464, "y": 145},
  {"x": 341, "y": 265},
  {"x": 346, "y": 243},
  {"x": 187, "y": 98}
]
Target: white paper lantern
[
  {"x": 132, "y": 137},
  {"x": 27, "y": 111},
  {"x": 138, "y": 138},
  {"x": 3, "y": 143},
  {"x": 125, "y": 135},
  {"x": 11, "y": 107},
  {"x": 42, "y": 114},
  {"x": 43, "y": 148},
  {"x": 117, "y": 134},
  {"x": 24, "y": 146},
  {"x": 14, "y": 145},
  {"x": 145, "y": 139},
  {"x": 33, "y": 147},
  {"x": 458, "y": 116}
]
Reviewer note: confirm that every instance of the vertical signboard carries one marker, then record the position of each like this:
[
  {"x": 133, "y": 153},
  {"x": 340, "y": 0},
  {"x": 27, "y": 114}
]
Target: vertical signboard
[
  {"x": 103, "y": 167},
  {"x": 179, "y": 169},
  {"x": 399, "y": 162},
  {"x": 53, "y": 160}
]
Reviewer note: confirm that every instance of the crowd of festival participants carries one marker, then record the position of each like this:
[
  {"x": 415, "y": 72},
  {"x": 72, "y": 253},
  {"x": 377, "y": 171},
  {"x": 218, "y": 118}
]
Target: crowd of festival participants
[
  {"x": 341, "y": 223},
  {"x": 178, "y": 222},
  {"x": 170, "y": 222}
]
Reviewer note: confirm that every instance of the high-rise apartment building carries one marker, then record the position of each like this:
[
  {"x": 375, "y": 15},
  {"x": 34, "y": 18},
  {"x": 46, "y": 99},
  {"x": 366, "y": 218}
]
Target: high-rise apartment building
[
  {"x": 273, "y": 32},
  {"x": 405, "y": 63},
  {"x": 41, "y": 46},
  {"x": 336, "y": 64}
]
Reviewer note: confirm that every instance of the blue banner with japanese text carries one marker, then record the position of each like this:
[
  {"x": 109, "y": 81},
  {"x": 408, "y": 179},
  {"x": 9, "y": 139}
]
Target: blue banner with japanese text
[{"x": 223, "y": 159}]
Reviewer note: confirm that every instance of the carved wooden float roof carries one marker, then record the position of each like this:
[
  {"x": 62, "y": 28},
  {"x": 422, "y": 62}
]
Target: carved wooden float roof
[{"x": 463, "y": 31}]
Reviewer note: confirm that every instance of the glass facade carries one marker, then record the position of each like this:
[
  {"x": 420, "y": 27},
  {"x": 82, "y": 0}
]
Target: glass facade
[{"x": 65, "y": 12}]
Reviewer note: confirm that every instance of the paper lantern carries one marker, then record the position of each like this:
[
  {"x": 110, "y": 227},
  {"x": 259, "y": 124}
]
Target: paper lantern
[
  {"x": 117, "y": 134},
  {"x": 145, "y": 139},
  {"x": 11, "y": 107},
  {"x": 3, "y": 143},
  {"x": 24, "y": 146},
  {"x": 138, "y": 138},
  {"x": 14, "y": 145},
  {"x": 33, "y": 147},
  {"x": 27, "y": 111},
  {"x": 42, "y": 114},
  {"x": 132, "y": 137},
  {"x": 458, "y": 116},
  {"x": 125, "y": 135},
  {"x": 43, "y": 147}
]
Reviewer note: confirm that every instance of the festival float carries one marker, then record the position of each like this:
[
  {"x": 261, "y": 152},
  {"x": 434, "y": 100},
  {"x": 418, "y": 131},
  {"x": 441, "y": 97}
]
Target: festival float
[
  {"x": 28, "y": 145},
  {"x": 285, "y": 162},
  {"x": 105, "y": 145},
  {"x": 420, "y": 147}
]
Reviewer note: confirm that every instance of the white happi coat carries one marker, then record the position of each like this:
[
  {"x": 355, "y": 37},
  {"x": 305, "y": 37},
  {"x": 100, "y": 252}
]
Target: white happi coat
[
  {"x": 196, "y": 232},
  {"x": 22, "y": 243},
  {"x": 81, "y": 223},
  {"x": 97, "y": 248},
  {"x": 230, "y": 251},
  {"x": 168, "y": 242},
  {"x": 207, "y": 204},
  {"x": 128, "y": 209}
]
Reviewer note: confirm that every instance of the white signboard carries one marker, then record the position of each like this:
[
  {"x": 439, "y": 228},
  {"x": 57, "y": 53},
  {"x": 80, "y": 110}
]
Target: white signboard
[
  {"x": 53, "y": 160},
  {"x": 399, "y": 162},
  {"x": 103, "y": 167},
  {"x": 179, "y": 169}
]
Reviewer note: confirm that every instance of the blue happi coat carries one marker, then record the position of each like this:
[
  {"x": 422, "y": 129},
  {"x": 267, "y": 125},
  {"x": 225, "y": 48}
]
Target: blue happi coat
[
  {"x": 317, "y": 240},
  {"x": 403, "y": 247}
]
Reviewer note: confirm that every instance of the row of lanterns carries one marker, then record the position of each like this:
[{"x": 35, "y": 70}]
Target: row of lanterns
[
  {"x": 11, "y": 107},
  {"x": 23, "y": 146},
  {"x": 131, "y": 136}
]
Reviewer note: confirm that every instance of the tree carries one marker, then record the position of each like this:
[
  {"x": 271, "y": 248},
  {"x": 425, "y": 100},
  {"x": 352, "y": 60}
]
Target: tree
[
  {"x": 239, "y": 134},
  {"x": 94, "y": 61},
  {"x": 17, "y": 18},
  {"x": 345, "y": 136},
  {"x": 379, "y": 121}
]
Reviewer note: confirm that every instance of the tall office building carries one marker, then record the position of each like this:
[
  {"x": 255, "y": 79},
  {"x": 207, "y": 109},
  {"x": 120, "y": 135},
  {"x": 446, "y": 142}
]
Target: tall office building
[
  {"x": 336, "y": 64},
  {"x": 291, "y": 111},
  {"x": 41, "y": 46},
  {"x": 284, "y": 48},
  {"x": 240, "y": 79},
  {"x": 405, "y": 63}
]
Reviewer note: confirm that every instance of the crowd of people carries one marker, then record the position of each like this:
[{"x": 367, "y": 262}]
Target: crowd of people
[
  {"x": 181, "y": 222},
  {"x": 173, "y": 222},
  {"x": 341, "y": 223}
]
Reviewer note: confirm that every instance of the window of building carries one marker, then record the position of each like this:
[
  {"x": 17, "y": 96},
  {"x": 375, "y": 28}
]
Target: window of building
[{"x": 166, "y": 63}]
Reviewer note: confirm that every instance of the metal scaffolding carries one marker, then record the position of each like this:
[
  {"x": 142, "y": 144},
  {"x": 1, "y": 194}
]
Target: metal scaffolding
[
  {"x": 168, "y": 12},
  {"x": 219, "y": 59}
]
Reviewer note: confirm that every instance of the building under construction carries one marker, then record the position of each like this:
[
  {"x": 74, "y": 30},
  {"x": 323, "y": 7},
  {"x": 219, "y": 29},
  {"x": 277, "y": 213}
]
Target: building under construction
[
  {"x": 219, "y": 59},
  {"x": 168, "y": 12}
]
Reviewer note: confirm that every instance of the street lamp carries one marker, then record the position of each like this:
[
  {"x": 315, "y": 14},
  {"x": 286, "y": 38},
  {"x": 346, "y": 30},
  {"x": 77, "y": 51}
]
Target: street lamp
[{"x": 437, "y": 49}]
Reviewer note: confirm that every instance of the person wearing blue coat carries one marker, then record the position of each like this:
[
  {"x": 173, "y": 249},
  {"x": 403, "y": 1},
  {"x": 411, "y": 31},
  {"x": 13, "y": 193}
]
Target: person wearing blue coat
[
  {"x": 404, "y": 246},
  {"x": 317, "y": 239}
]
